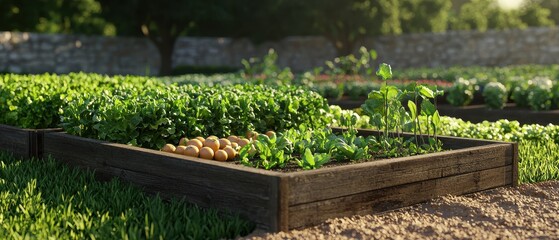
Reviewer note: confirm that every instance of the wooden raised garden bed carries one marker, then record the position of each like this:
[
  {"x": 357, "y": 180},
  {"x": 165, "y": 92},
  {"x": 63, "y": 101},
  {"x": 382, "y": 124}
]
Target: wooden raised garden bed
[
  {"x": 25, "y": 143},
  {"x": 280, "y": 201},
  {"x": 478, "y": 113}
]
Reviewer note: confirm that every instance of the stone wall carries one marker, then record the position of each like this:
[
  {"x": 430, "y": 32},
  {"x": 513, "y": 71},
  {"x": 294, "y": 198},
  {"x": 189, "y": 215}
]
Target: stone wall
[
  {"x": 35, "y": 53},
  {"x": 491, "y": 48}
]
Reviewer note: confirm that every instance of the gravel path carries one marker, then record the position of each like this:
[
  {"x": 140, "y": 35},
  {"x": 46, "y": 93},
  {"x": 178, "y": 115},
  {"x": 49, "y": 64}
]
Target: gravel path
[{"x": 530, "y": 211}]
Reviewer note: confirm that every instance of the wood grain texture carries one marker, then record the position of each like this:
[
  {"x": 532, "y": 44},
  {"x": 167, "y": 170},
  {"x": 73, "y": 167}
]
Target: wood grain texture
[
  {"x": 24, "y": 143},
  {"x": 326, "y": 183},
  {"x": 514, "y": 173},
  {"x": 449, "y": 142},
  {"x": 283, "y": 204},
  {"x": 250, "y": 192},
  {"x": 397, "y": 196},
  {"x": 15, "y": 140}
]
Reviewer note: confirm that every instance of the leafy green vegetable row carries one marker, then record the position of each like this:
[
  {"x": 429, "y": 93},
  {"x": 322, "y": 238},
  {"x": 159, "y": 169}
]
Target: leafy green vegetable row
[
  {"x": 152, "y": 117},
  {"x": 34, "y": 101},
  {"x": 48, "y": 200},
  {"x": 312, "y": 148},
  {"x": 539, "y": 93}
]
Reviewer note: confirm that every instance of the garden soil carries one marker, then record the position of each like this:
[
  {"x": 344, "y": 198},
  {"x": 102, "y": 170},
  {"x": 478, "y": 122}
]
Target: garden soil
[{"x": 529, "y": 211}]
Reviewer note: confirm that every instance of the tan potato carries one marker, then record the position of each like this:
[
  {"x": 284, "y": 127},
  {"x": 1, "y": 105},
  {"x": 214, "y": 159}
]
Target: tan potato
[
  {"x": 233, "y": 138},
  {"x": 221, "y": 155},
  {"x": 235, "y": 145},
  {"x": 252, "y": 135},
  {"x": 183, "y": 141},
  {"x": 191, "y": 151},
  {"x": 195, "y": 142},
  {"x": 207, "y": 153},
  {"x": 169, "y": 148},
  {"x": 270, "y": 133},
  {"x": 201, "y": 139},
  {"x": 212, "y": 143},
  {"x": 223, "y": 142},
  {"x": 243, "y": 142},
  {"x": 180, "y": 150},
  {"x": 231, "y": 153}
]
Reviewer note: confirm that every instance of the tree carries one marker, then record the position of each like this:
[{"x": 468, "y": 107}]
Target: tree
[
  {"x": 260, "y": 21},
  {"x": 533, "y": 14},
  {"x": 473, "y": 15},
  {"x": 345, "y": 22},
  {"x": 486, "y": 14},
  {"x": 552, "y": 5},
  {"x": 162, "y": 22},
  {"x": 424, "y": 15},
  {"x": 21, "y": 15},
  {"x": 54, "y": 16}
]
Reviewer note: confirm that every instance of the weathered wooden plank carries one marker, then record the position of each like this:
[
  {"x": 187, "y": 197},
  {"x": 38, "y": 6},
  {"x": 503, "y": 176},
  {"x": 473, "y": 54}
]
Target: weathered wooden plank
[
  {"x": 25, "y": 143},
  {"x": 449, "y": 142},
  {"x": 15, "y": 140},
  {"x": 397, "y": 196},
  {"x": 207, "y": 183},
  {"x": 255, "y": 209},
  {"x": 248, "y": 180},
  {"x": 515, "y": 164},
  {"x": 37, "y": 140},
  {"x": 326, "y": 183},
  {"x": 283, "y": 204}
]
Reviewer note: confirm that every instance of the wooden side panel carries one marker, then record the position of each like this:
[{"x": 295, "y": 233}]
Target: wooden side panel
[
  {"x": 328, "y": 183},
  {"x": 37, "y": 140},
  {"x": 15, "y": 140},
  {"x": 252, "y": 193},
  {"x": 448, "y": 141},
  {"x": 514, "y": 164},
  {"x": 397, "y": 196}
]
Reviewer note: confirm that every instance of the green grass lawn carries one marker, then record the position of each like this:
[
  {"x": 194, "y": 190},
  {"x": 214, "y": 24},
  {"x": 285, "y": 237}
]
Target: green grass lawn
[{"x": 48, "y": 200}]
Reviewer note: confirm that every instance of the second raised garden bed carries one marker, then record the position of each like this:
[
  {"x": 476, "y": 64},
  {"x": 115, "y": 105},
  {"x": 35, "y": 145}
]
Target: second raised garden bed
[
  {"x": 278, "y": 201},
  {"x": 479, "y": 113}
]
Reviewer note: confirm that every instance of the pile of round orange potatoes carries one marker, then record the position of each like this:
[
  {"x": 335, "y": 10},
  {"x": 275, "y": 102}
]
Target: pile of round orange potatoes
[{"x": 212, "y": 147}]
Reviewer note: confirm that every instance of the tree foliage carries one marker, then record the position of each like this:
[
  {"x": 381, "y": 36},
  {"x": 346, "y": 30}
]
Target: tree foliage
[
  {"x": 344, "y": 22},
  {"x": 54, "y": 16},
  {"x": 425, "y": 15},
  {"x": 161, "y": 21},
  {"x": 482, "y": 15}
]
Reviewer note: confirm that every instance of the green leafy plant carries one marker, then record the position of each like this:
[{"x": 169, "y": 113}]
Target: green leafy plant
[
  {"x": 352, "y": 65},
  {"x": 495, "y": 95},
  {"x": 540, "y": 95},
  {"x": 273, "y": 152},
  {"x": 266, "y": 70},
  {"x": 520, "y": 93},
  {"x": 387, "y": 114},
  {"x": 36, "y": 101},
  {"x": 555, "y": 91},
  {"x": 151, "y": 117},
  {"x": 313, "y": 161},
  {"x": 461, "y": 93}
]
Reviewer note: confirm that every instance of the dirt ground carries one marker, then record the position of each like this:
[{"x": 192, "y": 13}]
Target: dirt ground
[{"x": 530, "y": 211}]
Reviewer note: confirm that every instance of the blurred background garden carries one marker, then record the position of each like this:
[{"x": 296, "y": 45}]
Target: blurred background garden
[{"x": 208, "y": 36}]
